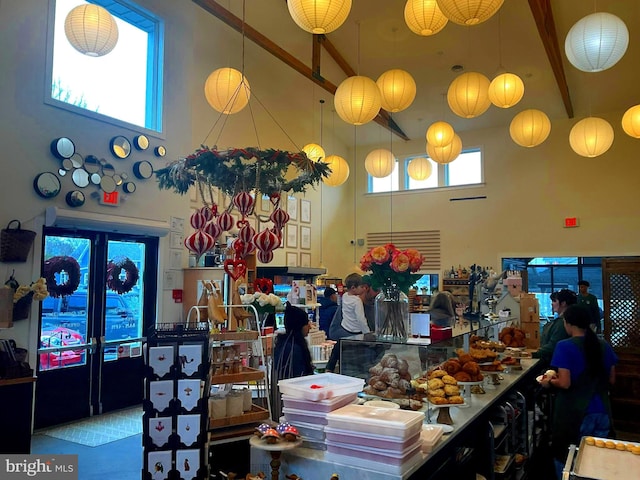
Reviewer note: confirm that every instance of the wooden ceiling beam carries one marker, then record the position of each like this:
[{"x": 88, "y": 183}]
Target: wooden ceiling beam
[
  {"x": 543, "y": 16},
  {"x": 312, "y": 74}
]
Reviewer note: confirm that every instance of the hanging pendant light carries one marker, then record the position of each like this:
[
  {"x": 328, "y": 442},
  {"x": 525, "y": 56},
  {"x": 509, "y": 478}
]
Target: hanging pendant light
[
  {"x": 397, "y": 90},
  {"x": 631, "y": 122},
  {"x": 530, "y": 128},
  {"x": 339, "y": 171},
  {"x": 591, "y": 137},
  {"x": 319, "y": 16},
  {"x": 91, "y": 30},
  {"x": 357, "y": 100},
  {"x": 419, "y": 168},
  {"x": 227, "y": 90},
  {"x": 446, "y": 154},
  {"x": 440, "y": 134},
  {"x": 314, "y": 151},
  {"x": 469, "y": 12},
  {"x": 468, "y": 95},
  {"x": 506, "y": 90},
  {"x": 379, "y": 163},
  {"x": 424, "y": 17},
  {"x": 596, "y": 42}
]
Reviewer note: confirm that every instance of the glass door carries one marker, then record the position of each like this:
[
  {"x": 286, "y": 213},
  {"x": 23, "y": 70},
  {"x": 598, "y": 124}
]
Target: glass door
[{"x": 102, "y": 298}]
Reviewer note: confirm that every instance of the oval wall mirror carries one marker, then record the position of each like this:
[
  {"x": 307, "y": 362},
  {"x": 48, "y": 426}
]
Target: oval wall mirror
[
  {"x": 63, "y": 148},
  {"x": 47, "y": 185},
  {"x": 92, "y": 164},
  {"x": 95, "y": 178},
  {"x": 120, "y": 147},
  {"x": 141, "y": 142},
  {"x": 67, "y": 164},
  {"x": 80, "y": 177},
  {"x": 129, "y": 187},
  {"x": 108, "y": 184},
  {"x": 77, "y": 160},
  {"x": 75, "y": 198},
  {"x": 118, "y": 179},
  {"x": 160, "y": 151},
  {"x": 108, "y": 170},
  {"x": 143, "y": 169}
]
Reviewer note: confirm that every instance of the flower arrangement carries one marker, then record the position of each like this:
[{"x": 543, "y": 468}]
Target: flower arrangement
[
  {"x": 391, "y": 266},
  {"x": 37, "y": 290},
  {"x": 263, "y": 302}
]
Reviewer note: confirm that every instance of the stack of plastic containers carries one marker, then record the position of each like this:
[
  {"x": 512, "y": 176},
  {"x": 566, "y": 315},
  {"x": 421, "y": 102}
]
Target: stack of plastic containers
[
  {"x": 380, "y": 439},
  {"x": 308, "y": 400}
]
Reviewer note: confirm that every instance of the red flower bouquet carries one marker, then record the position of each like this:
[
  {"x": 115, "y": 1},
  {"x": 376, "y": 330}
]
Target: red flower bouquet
[{"x": 391, "y": 266}]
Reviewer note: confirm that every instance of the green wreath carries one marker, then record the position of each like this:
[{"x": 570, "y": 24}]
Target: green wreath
[
  {"x": 244, "y": 169},
  {"x": 57, "y": 265},
  {"x": 115, "y": 268}
]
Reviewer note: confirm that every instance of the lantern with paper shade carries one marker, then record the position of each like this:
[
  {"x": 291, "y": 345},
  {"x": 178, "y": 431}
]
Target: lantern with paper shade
[
  {"x": 357, "y": 100},
  {"x": 380, "y": 163},
  {"x": 424, "y": 17},
  {"x": 199, "y": 242},
  {"x": 225, "y": 221},
  {"x": 319, "y": 16},
  {"x": 246, "y": 233},
  {"x": 506, "y": 90},
  {"x": 209, "y": 212},
  {"x": 419, "y": 169},
  {"x": 530, "y": 128},
  {"x": 397, "y": 90},
  {"x": 591, "y": 137},
  {"x": 446, "y": 154},
  {"x": 468, "y": 95},
  {"x": 440, "y": 134},
  {"x": 596, "y": 42},
  {"x": 279, "y": 217},
  {"x": 197, "y": 220},
  {"x": 244, "y": 202},
  {"x": 266, "y": 240},
  {"x": 91, "y": 30},
  {"x": 339, "y": 171},
  {"x": 227, "y": 90},
  {"x": 314, "y": 151},
  {"x": 469, "y": 12},
  {"x": 631, "y": 122}
]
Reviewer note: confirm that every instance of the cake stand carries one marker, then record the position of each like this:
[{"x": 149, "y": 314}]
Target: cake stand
[
  {"x": 275, "y": 450},
  {"x": 466, "y": 391}
]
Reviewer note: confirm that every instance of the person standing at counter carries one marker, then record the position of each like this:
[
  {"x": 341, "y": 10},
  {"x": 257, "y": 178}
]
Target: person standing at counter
[
  {"x": 328, "y": 306},
  {"x": 368, "y": 297},
  {"x": 590, "y": 302},
  {"x": 585, "y": 372},
  {"x": 554, "y": 330},
  {"x": 442, "y": 312}
]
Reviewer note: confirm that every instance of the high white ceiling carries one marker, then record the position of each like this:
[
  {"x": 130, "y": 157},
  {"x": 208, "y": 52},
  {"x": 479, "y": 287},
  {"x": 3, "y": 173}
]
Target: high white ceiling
[{"x": 375, "y": 38}]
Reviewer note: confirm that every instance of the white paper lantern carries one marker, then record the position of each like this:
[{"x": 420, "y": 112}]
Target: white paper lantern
[
  {"x": 339, "y": 171},
  {"x": 227, "y": 90},
  {"x": 91, "y": 30},
  {"x": 596, "y": 42},
  {"x": 397, "y": 90},
  {"x": 506, "y": 90},
  {"x": 424, "y": 17},
  {"x": 419, "y": 168},
  {"x": 319, "y": 16},
  {"x": 357, "y": 100},
  {"x": 591, "y": 136},
  {"x": 314, "y": 151},
  {"x": 469, "y": 12},
  {"x": 380, "y": 163},
  {"x": 446, "y": 154},
  {"x": 530, "y": 128},
  {"x": 468, "y": 95},
  {"x": 440, "y": 134}
]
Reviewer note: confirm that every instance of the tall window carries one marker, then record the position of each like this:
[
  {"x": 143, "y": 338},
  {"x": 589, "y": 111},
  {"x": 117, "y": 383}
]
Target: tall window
[
  {"x": 386, "y": 184},
  {"x": 126, "y": 84}
]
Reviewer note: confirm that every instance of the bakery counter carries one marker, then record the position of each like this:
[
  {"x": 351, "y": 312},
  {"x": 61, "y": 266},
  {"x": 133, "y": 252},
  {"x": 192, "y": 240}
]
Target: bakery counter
[{"x": 469, "y": 422}]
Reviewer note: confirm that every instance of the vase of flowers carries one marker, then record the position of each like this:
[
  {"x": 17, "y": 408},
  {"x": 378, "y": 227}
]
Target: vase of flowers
[
  {"x": 264, "y": 304},
  {"x": 393, "y": 273}
]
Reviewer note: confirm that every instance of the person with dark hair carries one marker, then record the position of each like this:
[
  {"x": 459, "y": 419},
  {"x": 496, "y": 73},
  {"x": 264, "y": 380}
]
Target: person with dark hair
[
  {"x": 442, "y": 310},
  {"x": 590, "y": 302},
  {"x": 554, "y": 330},
  {"x": 585, "y": 372},
  {"x": 328, "y": 306}
]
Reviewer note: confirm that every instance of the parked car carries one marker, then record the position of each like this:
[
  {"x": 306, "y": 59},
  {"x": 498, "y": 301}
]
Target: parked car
[{"x": 61, "y": 337}]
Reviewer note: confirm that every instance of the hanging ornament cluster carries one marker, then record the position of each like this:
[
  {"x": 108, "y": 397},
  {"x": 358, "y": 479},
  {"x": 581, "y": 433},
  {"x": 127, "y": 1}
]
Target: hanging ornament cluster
[{"x": 208, "y": 228}]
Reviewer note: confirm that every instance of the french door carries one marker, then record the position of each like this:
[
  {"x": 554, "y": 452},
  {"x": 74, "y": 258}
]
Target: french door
[{"x": 102, "y": 300}]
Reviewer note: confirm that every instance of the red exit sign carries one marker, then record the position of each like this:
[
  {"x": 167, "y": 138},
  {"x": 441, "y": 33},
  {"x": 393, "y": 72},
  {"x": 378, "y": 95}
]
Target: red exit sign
[
  {"x": 111, "y": 198},
  {"x": 571, "y": 222}
]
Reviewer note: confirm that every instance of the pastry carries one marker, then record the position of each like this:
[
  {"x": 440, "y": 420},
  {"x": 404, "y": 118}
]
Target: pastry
[
  {"x": 451, "y": 390},
  {"x": 590, "y": 441},
  {"x": 435, "y": 383},
  {"x": 462, "y": 377},
  {"x": 449, "y": 380},
  {"x": 456, "y": 400},
  {"x": 436, "y": 392},
  {"x": 437, "y": 373}
]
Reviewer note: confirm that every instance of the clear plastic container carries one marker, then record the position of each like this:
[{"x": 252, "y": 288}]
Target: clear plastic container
[
  {"x": 430, "y": 435},
  {"x": 320, "y": 387},
  {"x": 370, "y": 440},
  {"x": 311, "y": 431},
  {"x": 379, "y": 421},
  {"x": 376, "y": 455},
  {"x": 319, "y": 406},
  {"x": 295, "y": 416}
]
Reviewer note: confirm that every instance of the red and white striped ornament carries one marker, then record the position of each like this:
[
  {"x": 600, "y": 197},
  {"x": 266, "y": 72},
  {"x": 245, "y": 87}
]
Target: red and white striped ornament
[
  {"x": 244, "y": 202},
  {"x": 197, "y": 220},
  {"x": 266, "y": 241},
  {"x": 199, "y": 242},
  {"x": 279, "y": 218},
  {"x": 225, "y": 220}
]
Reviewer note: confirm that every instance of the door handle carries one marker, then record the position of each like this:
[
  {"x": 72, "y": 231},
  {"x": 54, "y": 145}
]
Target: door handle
[{"x": 93, "y": 345}]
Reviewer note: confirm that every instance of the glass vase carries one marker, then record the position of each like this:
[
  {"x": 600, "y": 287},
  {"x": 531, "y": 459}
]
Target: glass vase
[{"x": 392, "y": 315}]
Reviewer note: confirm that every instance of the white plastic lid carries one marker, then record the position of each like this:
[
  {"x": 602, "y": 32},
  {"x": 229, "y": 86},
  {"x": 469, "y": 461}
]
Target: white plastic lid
[{"x": 374, "y": 415}]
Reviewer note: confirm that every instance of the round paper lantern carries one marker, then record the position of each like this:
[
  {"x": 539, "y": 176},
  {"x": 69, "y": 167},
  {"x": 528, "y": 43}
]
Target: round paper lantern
[
  {"x": 246, "y": 233},
  {"x": 244, "y": 202},
  {"x": 227, "y": 90},
  {"x": 314, "y": 151},
  {"x": 596, "y": 42},
  {"x": 264, "y": 257},
  {"x": 225, "y": 221},
  {"x": 207, "y": 212},
  {"x": 357, "y": 100},
  {"x": 199, "y": 242},
  {"x": 446, "y": 154},
  {"x": 424, "y": 17},
  {"x": 631, "y": 122},
  {"x": 440, "y": 134},
  {"x": 91, "y": 30},
  {"x": 197, "y": 220},
  {"x": 339, "y": 171},
  {"x": 397, "y": 90},
  {"x": 506, "y": 90},
  {"x": 213, "y": 229},
  {"x": 279, "y": 217},
  {"x": 469, "y": 12},
  {"x": 530, "y": 128},
  {"x": 379, "y": 163},
  {"x": 319, "y": 16},
  {"x": 468, "y": 95},
  {"x": 591, "y": 136},
  {"x": 266, "y": 240},
  {"x": 419, "y": 168}
]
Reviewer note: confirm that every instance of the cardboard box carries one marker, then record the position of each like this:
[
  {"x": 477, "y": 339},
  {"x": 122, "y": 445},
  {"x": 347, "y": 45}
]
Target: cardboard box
[
  {"x": 531, "y": 334},
  {"x": 529, "y": 309}
]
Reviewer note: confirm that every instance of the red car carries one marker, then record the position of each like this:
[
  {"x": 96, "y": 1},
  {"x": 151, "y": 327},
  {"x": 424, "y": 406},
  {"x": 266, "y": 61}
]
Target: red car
[{"x": 61, "y": 337}]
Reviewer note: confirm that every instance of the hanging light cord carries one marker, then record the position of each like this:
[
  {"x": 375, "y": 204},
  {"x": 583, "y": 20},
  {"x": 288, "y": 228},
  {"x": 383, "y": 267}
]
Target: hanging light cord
[
  {"x": 391, "y": 176},
  {"x": 355, "y": 151}
]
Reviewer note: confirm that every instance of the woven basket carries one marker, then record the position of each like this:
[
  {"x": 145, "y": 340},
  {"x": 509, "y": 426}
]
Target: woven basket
[{"x": 15, "y": 243}]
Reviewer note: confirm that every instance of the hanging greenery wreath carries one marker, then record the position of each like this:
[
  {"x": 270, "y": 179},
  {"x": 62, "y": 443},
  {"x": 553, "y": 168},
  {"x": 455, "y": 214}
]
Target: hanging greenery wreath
[
  {"x": 56, "y": 265},
  {"x": 246, "y": 169},
  {"x": 115, "y": 268}
]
